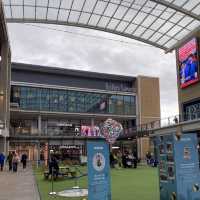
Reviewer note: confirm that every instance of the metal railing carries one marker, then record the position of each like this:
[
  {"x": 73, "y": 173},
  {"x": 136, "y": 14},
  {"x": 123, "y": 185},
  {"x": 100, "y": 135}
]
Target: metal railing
[{"x": 169, "y": 121}]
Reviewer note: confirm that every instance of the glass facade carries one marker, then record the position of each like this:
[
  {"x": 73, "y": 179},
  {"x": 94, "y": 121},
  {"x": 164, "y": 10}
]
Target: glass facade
[
  {"x": 62, "y": 127},
  {"x": 44, "y": 99}
]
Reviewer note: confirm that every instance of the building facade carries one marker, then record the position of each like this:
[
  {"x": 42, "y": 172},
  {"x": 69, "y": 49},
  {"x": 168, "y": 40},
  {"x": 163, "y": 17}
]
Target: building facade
[
  {"x": 52, "y": 107},
  {"x": 5, "y": 56}
]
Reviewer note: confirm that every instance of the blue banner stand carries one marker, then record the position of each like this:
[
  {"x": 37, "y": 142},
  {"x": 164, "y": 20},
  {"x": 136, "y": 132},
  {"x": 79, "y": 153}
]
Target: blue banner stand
[
  {"x": 179, "y": 171},
  {"x": 99, "y": 187}
]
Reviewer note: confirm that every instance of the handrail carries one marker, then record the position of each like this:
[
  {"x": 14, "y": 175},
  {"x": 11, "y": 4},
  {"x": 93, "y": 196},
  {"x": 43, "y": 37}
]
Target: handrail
[{"x": 168, "y": 121}]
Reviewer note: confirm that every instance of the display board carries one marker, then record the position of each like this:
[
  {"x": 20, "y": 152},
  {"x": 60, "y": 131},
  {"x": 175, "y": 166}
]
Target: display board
[
  {"x": 98, "y": 171},
  {"x": 188, "y": 63},
  {"x": 179, "y": 172}
]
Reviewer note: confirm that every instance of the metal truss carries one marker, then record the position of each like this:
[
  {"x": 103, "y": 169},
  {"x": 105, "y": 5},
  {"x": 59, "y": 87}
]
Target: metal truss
[
  {"x": 177, "y": 8},
  {"x": 160, "y": 23}
]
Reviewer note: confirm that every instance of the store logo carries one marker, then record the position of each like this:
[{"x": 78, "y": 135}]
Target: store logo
[
  {"x": 99, "y": 162},
  {"x": 118, "y": 87},
  {"x": 65, "y": 124}
]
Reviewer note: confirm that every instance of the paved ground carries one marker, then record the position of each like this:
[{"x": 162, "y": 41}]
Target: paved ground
[{"x": 18, "y": 186}]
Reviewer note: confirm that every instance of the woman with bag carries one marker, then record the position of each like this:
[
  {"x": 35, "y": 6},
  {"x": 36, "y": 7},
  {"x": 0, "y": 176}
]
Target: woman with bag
[{"x": 15, "y": 162}]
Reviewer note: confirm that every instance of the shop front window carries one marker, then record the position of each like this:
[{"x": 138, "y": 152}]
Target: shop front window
[{"x": 24, "y": 127}]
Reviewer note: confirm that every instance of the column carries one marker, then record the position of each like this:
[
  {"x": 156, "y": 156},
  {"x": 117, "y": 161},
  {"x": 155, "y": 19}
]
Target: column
[
  {"x": 46, "y": 154},
  {"x": 92, "y": 127},
  {"x": 139, "y": 147},
  {"x": 5, "y": 146},
  {"x": 38, "y": 153},
  {"x": 46, "y": 127},
  {"x": 39, "y": 124},
  {"x": 143, "y": 147},
  {"x": 5, "y": 72},
  {"x": 92, "y": 122},
  {"x": 1, "y": 144}
]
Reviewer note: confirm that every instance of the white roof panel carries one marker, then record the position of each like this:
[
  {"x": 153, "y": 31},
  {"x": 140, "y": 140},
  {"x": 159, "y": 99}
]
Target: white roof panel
[{"x": 161, "y": 23}]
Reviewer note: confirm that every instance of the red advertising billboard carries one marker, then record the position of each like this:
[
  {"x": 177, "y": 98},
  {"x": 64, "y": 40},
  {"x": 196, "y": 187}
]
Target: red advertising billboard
[{"x": 188, "y": 63}]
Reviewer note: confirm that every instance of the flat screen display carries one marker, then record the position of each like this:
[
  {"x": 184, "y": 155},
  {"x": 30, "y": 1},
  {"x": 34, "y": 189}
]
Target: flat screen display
[
  {"x": 188, "y": 63},
  {"x": 90, "y": 131}
]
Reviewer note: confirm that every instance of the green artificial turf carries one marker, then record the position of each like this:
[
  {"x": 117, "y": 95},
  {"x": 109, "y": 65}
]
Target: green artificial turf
[{"x": 127, "y": 184}]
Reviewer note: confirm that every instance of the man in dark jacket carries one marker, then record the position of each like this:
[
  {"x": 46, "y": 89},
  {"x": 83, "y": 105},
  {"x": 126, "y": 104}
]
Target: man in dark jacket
[
  {"x": 2, "y": 159},
  {"x": 112, "y": 161},
  {"x": 24, "y": 160},
  {"x": 53, "y": 167},
  {"x": 9, "y": 160},
  {"x": 135, "y": 159}
]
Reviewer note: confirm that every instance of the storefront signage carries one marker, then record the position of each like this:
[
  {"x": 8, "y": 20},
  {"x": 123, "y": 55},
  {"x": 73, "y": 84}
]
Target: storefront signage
[
  {"x": 98, "y": 171},
  {"x": 69, "y": 147},
  {"x": 118, "y": 87},
  {"x": 65, "y": 124}
]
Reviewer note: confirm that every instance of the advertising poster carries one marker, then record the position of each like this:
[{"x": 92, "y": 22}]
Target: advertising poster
[
  {"x": 98, "y": 171},
  {"x": 188, "y": 63},
  {"x": 90, "y": 131}
]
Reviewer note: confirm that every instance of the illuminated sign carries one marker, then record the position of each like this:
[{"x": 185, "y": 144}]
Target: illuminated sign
[
  {"x": 90, "y": 131},
  {"x": 188, "y": 63}
]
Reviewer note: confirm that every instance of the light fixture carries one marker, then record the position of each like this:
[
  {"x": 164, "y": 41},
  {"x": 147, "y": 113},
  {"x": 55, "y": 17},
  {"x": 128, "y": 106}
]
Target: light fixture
[
  {"x": 115, "y": 147},
  {"x": 2, "y": 124},
  {"x": 1, "y": 93}
]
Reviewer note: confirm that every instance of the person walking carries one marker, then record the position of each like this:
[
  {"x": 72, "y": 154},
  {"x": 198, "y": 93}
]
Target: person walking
[
  {"x": 9, "y": 160},
  {"x": 125, "y": 159},
  {"x": 135, "y": 159},
  {"x": 119, "y": 158},
  {"x": 15, "y": 162},
  {"x": 24, "y": 160},
  {"x": 53, "y": 167},
  {"x": 112, "y": 160},
  {"x": 2, "y": 159}
]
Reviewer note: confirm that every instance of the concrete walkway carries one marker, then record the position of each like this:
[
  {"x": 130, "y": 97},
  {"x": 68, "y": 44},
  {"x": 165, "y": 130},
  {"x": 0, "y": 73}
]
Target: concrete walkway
[{"x": 18, "y": 186}]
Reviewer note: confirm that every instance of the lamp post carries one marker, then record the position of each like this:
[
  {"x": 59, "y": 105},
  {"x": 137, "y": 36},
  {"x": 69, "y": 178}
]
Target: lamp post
[{"x": 2, "y": 120}]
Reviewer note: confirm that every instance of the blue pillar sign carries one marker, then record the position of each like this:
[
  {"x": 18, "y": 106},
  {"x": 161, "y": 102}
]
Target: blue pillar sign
[{"x": 98, "y": 171}]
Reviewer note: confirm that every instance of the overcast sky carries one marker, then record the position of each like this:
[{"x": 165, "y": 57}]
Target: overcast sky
[{"x": 42, "y": 46}]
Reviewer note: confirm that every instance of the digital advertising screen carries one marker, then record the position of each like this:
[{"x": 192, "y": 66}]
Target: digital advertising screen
[
  {"x": 90, "y": 131},
  {"x": 188, "y": 63}
]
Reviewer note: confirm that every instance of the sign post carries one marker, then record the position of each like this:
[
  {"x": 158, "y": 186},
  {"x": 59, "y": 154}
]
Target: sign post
[{"x": 98, "y": 171}]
